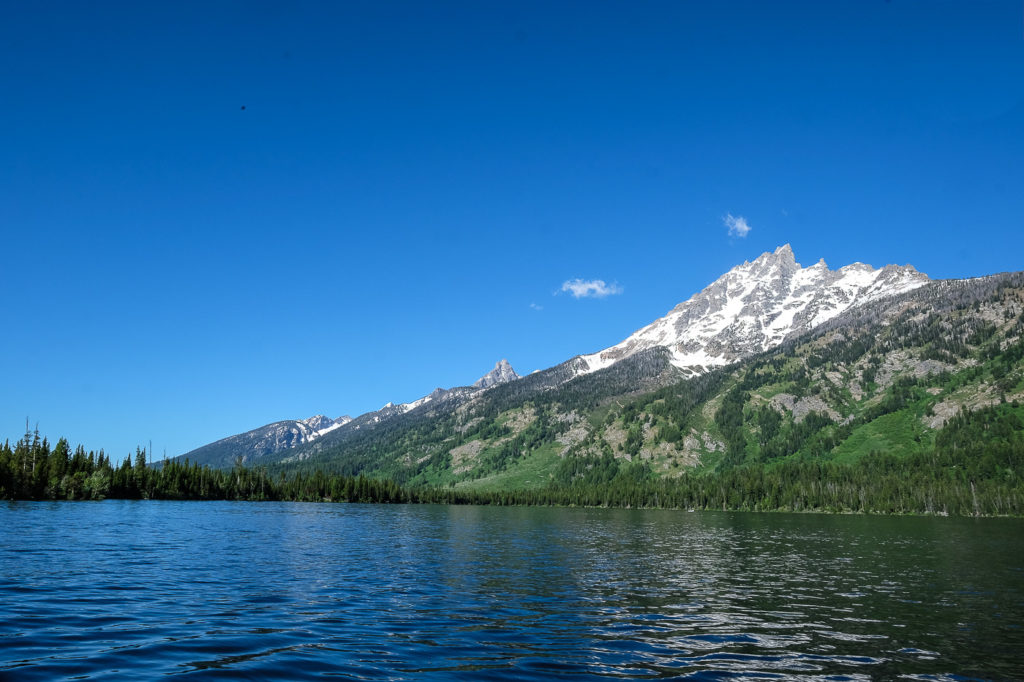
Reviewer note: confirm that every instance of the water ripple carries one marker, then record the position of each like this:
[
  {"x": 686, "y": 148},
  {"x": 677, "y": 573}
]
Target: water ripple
[{"x": 122, "y": 590}]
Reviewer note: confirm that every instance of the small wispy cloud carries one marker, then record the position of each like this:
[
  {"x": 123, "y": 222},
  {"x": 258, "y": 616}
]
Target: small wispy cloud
[
  {"x": 738, "y": 225},
  {"x": 536, "y": 307},
  {"x": 590, "y": 288}
]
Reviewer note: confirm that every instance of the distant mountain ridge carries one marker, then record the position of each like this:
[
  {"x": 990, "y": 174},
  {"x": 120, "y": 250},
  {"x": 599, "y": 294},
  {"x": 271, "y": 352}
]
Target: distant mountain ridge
[
  {"x": 271, "y": 438},
  {"x": 753, "y": 307},
  {"x": 271, "y": 441}
]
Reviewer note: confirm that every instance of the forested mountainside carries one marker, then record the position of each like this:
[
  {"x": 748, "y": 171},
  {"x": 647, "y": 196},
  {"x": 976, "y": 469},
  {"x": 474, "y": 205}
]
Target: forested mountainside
[
  {"x": 753, "y": 307},
  {"x": 911, "y": 404},
  {"x": 932, "y": 378}
]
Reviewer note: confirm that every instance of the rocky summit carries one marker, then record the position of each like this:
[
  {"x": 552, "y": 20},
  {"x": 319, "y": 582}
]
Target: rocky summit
[
  {"x": 502, "y": 373},
  {"x": 754, "y": 307}
]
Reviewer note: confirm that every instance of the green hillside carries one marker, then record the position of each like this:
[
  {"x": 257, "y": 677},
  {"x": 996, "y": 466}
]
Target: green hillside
[
  {"x": 909, "y": 404},
  {"x": 898, "y": 380}
]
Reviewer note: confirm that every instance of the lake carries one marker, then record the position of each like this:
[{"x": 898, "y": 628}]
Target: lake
[{"x": 222, "y": 590}]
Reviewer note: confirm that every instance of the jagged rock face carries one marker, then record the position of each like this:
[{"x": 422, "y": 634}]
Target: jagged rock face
[
  {"x": 318, "y": 422},
  {"x": 289, "y": 434},
  {"x": 754, "y": 307},
  {"x": 501, "y": 374}
]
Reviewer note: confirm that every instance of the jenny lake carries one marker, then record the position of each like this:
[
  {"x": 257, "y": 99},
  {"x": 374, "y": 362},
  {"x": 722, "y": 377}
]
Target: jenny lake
[{"x": 134, "y": 590}]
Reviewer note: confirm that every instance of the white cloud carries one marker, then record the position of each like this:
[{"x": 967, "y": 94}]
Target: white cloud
[
  {"x": 738, "y": 226},
  {"x": 536, "y": 307},
  {"x": 590, "y": 288}
]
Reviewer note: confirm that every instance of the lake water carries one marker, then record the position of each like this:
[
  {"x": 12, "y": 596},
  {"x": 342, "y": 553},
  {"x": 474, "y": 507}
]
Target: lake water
[{"x": 126, "y": 590}]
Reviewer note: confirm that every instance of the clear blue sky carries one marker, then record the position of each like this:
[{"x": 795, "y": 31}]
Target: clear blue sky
[{"x": 409, "y": 185}]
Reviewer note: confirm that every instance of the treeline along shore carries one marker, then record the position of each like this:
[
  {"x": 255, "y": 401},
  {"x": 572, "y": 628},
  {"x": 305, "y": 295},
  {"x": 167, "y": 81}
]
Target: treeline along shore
[{"x": 975, "y": 469}]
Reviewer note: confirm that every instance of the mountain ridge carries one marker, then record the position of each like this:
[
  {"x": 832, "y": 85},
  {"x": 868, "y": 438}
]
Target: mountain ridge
[
  {"x": 269, "y": 441},
  {"x": 886, "y": 375},
  {"x": 754, "y": 306}
]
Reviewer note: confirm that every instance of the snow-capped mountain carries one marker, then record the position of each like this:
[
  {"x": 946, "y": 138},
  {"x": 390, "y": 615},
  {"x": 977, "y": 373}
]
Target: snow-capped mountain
[
  {"x": 754, "y": 307},
  {"x": 318, "y": 425},
  {"x": 290, "y": 434}
]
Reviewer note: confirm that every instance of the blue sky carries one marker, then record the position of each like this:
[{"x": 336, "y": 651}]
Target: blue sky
[{"x": 216, "y": 215}]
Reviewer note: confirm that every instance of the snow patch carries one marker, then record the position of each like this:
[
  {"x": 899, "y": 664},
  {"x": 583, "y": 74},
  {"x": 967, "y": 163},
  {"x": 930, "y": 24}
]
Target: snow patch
[{"x": 754, "y": 307}]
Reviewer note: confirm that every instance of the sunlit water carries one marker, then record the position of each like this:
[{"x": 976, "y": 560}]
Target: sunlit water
[{"x": 291, "y": 591}]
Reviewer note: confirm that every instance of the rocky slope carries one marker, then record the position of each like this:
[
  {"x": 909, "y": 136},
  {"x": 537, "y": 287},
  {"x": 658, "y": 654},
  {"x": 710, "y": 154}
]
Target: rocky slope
[{"x": 886, "y": 377}]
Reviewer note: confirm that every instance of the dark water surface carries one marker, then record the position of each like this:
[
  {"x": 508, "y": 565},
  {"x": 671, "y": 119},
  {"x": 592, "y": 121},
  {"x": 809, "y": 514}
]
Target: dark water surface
[{"x": 291, "y": 591}]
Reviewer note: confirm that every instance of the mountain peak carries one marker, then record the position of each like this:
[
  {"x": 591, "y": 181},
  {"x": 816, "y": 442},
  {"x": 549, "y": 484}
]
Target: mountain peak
[
  {"x": 501, "y": 374},
  {"x": 783, "y": 257},
  {"x": 783, "y": 254},
  {"x": 756, "y": 306},
  {"x": 317, "y": 422}
]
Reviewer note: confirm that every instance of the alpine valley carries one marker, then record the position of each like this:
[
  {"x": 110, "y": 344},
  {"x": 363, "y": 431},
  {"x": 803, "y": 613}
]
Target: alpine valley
[{"x": 772, "y": 365}]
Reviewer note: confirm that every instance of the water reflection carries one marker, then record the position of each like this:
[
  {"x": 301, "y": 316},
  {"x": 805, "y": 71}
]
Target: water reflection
[{"x": 122, "y": 589}]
